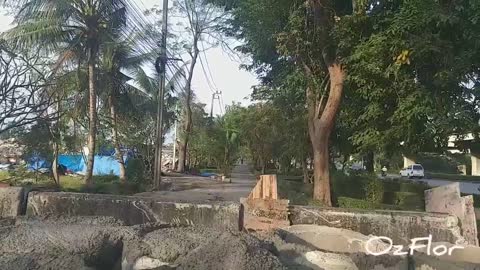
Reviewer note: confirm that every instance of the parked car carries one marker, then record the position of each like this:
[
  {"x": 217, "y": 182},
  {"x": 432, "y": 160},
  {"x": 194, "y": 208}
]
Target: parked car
[{"x": 415, "y": 170}]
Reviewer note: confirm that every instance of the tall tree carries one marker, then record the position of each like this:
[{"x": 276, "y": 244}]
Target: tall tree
[
  {"x": 63, "y": 27},
  {"x": 299, "y": 34},
  {"x": 119, "y": 58},
  {"x": 199, "y": 32}
]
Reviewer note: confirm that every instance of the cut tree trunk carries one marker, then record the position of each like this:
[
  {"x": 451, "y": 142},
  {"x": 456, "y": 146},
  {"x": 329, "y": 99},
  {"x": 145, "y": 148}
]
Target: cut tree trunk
[
  {"x": 92, "y": 121},
  {"x": 182, "y": 155},
  {"x": 321, "y": 120},
  {"x": 116, "y": 143}
]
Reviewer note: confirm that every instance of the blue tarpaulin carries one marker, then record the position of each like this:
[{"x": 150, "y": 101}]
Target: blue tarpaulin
[
  {"x": 73, "y": 163},
  {"x": 103, "y": 165},
  {"x": 37, "y": 164}
]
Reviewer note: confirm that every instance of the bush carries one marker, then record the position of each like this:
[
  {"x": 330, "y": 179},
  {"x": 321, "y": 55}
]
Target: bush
[
  {"x": 374, "y": 191},
  {"x": 404, "y": 186},
  {"x": 136, "y": 172},
  {"x": 409, "y": 200},
  {"x": 352, "y": 186},
  {"x": 114, "y": 188},
  {"x": 297, "y": 192},
  {"x": 108, "y": 178},
  {"x": 433, "y": 162},
  {"x": 405, "y": 200},
  {"x": 345, "y": 202}
]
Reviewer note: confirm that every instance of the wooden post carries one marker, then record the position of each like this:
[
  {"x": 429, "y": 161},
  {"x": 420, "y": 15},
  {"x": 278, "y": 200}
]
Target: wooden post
[{"x": 266, "y": 188}]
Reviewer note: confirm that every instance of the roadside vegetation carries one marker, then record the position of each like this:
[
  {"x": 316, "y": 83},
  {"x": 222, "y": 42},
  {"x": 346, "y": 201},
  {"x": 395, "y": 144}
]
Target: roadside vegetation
[
  {"x": 364, "y": 191},
  {"x": 374, "y": 80},
  {"x": 105, "y": 184}
]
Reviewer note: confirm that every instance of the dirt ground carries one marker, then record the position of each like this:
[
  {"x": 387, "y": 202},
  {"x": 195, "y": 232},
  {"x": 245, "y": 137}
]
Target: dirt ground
[{"x": 204, "y": 189}]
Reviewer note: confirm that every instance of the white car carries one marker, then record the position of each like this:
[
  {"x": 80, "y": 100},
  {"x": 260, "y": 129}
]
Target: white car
[{"x": 415, "y": 170}]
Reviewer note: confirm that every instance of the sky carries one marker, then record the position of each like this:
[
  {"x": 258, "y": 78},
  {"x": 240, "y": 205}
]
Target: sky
[{"x": 234, "y": 83}]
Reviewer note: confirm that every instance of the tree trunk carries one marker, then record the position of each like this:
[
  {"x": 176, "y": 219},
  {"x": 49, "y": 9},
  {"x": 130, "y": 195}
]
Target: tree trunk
[
  {"x": 92, "y": 114},
  {"x": 306, "y": 178},
  {"x": 370, "y": 162},
  {"x": 321, "y": 120},
  {"x": 56, "y": 177},
  {"x": 345, "y": 160},
  {"x": 116, "y": 143},
  {"x": 263, "y": 165},
  {"x": 183, "y": 144},
  {"x": 182, "y": 156}
]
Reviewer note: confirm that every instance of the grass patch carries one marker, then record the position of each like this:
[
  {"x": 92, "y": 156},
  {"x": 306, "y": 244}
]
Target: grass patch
[
  {"x": 453, "y": 177},
  {"x": 362, "y": 191},
  {"x": 346, "y": 202},
  {"x": 103, "y": 184},
  {"x": 4, "y": 175}
]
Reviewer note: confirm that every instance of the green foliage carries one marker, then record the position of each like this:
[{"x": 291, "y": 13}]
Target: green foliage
[
  {"x": 136, "y": 171},
  {"x": 346, "y": 202},
  {"x": 409, "y": 200},
  {"x": 405, "y": 186},
  {"x": 411, "y": 77},
  {"x": 22, "y": 176},
  {"x": 349, "y": 186},
  {"x": 374, "y": 191},
  {"x": 113, "y": 188},
  {"x": 297, "y": 192},
  {"x": 37, "y": 140},
  {"x": 436, "y": 163}
]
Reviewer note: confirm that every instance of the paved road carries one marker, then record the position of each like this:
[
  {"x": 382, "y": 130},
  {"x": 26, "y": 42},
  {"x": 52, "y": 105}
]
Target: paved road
[
  {"x": 465, "y": 187},
  {"x": 204, "y": 189}
]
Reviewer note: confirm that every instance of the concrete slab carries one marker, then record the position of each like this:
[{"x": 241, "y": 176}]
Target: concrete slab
[
  {"x": 331, "y": 239},
  {"x": 400, "y": 226},
  {"x": 134, "y": 210},
  {"x": 424, "y": 262},
  {"x": 469, "y": 254},
  {"x": 447, "y": 199},
  {"x": 12, "y": 201}
]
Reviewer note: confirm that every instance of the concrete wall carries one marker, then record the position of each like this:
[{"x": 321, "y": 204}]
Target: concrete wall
[
  {"x": 407, "y": 161},
  {"x": 12, "y": 201},
  {"x": 446, "y": 199},
  {"x": 475, "y": 165},
  {"x": 400, "y": 226},
  {"x": 133, "y": 210}
]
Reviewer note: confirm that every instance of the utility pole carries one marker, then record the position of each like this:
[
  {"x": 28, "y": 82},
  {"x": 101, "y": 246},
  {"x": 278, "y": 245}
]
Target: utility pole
[
  {"x": 160, "y": 66},
  {"x": 215, "y": 95},
  {"x": 174, "y": 142}
]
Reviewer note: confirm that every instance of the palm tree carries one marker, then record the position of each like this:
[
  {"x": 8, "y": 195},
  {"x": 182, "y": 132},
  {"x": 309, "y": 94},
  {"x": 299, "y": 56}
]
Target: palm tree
[
  {"x": 120, "y": 57},
  {"x": 66, "y": 26}
]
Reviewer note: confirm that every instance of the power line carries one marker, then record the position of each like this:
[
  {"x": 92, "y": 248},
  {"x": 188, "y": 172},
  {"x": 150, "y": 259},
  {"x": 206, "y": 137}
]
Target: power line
[
  {"x": 205, "y": 75},
  {"x": 220, "y": 105},
  {"x": 208, "y": 66}
]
